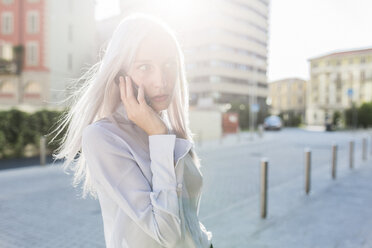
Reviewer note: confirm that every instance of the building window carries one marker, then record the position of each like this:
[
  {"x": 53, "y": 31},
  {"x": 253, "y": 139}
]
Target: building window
[
  {"x": 7, "y": 89},
  {"x": 32, "y": 90},
  {"x": 32, "y": 54},
  {"x": 362, "y": 76},
  {"x": 32, "y": 22},
  {"x": 214, "y": 79},
  {"x": 7, "y": 23},
  {"x": 338, "y": 81},
  {"x": 6, "y": 51}
]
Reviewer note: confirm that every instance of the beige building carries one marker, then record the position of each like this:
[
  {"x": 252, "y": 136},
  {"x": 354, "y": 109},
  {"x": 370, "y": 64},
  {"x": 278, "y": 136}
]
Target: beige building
[
  {"x": 288, "y": 96},
  {"x": 337, "y": 80},
  {"x": 224, "y": 41}
]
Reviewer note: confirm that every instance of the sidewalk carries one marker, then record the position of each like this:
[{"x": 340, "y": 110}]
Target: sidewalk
[
  {"x": 339, "y": 216},
  {"x": 336, "y": 213}
]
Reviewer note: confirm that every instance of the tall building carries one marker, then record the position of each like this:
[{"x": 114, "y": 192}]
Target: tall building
[
  {"x": 224, "y": 41},
  {"x": 288, "y": 96},
  {"x": 338, "y": 79},
  {"x": 43, "y": 43}
]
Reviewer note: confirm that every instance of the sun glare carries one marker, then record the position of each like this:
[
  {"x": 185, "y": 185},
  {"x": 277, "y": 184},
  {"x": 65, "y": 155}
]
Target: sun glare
[{"x": 106, "y": 8}]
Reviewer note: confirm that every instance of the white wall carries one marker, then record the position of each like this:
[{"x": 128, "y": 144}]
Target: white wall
[
  {"x": 59, "y": 16},
  {"x": 206, "y": 124}
]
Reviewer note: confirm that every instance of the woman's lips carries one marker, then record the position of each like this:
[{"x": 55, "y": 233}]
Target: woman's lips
[{"x": 160, "y": 98}]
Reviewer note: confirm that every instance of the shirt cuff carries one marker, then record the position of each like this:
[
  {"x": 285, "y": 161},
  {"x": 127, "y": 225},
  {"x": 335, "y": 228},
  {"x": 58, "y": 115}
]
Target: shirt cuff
[{"x": 161, "y": 148}]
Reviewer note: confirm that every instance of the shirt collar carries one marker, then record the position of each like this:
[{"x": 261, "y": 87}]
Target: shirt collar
[
  {"x": 120, "y": 114},
  {"x": 182, "y": 145}
]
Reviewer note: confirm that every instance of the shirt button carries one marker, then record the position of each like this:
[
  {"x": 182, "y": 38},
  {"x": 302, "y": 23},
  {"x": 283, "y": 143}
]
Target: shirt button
[{"x": 179, "y": 186}]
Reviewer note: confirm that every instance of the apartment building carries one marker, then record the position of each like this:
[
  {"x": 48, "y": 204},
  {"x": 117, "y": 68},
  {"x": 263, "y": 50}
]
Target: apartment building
[
  {"x": 224, "y": 41},
  {"x": 43, "y": 44},
  {"x": 337, "y": 80},
  {"x": 288, "y": 96}
]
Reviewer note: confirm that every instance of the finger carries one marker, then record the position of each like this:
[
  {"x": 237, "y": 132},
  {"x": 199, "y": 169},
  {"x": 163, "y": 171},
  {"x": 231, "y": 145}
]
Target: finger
[
  {"x": 141, "y": 95},
  {"x": 131, "y": 99},
  {"x": 128, "y": 85}
]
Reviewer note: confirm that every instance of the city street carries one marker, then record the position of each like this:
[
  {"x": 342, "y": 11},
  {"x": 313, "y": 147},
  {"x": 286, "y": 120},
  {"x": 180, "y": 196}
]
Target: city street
[{"x": 40, "y": 208}]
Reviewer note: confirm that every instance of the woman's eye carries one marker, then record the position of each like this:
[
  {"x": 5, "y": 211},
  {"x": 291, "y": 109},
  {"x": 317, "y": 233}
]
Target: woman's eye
[{"x": 144, "y": 67}]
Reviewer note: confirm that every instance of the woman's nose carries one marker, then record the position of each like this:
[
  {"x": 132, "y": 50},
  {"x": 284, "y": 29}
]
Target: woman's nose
[{"x": 159, "y": 79}]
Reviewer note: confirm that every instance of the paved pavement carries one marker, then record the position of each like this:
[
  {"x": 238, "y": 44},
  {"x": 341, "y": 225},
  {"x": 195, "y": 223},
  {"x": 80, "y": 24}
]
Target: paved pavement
[{"x": 39, "y": 207}]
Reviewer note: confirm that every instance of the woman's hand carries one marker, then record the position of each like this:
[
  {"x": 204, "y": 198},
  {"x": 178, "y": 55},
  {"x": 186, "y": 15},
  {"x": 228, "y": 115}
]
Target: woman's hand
[{"x": 138, "y": 111}]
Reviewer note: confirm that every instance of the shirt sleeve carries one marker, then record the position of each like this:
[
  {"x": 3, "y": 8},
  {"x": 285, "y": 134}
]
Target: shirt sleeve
[{"x": 112, "y": 166}]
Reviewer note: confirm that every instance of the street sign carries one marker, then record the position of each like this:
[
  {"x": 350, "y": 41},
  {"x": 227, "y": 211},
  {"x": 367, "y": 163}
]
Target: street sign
[{"x": 350, "y": 92}]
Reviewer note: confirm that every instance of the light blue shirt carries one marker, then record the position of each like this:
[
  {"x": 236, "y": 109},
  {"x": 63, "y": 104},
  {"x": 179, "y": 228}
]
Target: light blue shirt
[{"x": 148, "y": 187}]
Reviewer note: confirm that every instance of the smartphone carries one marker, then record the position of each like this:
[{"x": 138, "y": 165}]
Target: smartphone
[{"x": 134, "y": 85}]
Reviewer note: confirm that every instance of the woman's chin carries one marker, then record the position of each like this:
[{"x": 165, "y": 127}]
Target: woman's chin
[{"x": 159, "y": 107}]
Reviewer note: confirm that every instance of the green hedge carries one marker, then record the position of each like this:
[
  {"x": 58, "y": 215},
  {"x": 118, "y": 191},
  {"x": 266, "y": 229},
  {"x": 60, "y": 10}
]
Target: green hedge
[
  {"x": 18, "y": 129},
  {"x": 363, "y": 115}
]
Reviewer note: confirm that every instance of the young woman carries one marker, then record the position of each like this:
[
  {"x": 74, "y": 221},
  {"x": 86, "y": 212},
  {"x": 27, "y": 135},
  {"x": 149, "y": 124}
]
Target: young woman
[{"x": 129, "y": 125}]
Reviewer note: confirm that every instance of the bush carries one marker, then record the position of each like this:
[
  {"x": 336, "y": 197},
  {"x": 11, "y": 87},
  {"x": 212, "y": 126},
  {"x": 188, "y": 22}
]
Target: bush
[
  {"x": 336, "y": 118},
  {"x": 365, "y": 115},
  {"x": 18, "y": 129}
]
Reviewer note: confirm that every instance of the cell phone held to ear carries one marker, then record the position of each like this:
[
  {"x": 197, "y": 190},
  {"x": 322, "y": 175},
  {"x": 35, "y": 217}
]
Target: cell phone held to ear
[{"x": 134, "y": 85}]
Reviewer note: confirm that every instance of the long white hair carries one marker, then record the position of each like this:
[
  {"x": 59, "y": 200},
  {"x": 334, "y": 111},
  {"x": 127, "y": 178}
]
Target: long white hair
[{"x": 98, "y": 95}]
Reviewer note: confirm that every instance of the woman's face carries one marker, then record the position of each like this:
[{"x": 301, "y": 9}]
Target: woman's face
[{"x": 156, "y": 68}]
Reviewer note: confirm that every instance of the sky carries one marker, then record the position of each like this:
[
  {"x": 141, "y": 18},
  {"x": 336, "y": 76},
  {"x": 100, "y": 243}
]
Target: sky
[{"x": 303, "y": 29}]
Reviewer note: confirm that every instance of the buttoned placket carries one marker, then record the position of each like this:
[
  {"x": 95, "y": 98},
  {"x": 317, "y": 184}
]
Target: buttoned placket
[
  {"x": 179, "y": 169},
  {"x": 179, "y": 175}
]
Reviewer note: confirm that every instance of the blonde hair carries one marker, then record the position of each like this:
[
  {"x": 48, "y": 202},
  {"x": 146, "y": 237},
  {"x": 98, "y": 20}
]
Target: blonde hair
[{"x": 98, "y": 95}]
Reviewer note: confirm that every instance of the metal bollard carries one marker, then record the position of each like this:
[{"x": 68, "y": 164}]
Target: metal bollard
[
  {"x": 351, "y": 154},
  {"x": 364, "y": 152},
  {"x": 260, "y": 130},
  {"x": 264, "y": 168},
  {"x": 307, "y": 170},
  {"x": 334, "y": 160},
  {"x": 42, "y": 150}
]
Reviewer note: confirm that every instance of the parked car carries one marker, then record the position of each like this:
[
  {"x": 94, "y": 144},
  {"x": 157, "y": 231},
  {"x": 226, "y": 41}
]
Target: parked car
[{"x": 272, "y": 122}]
